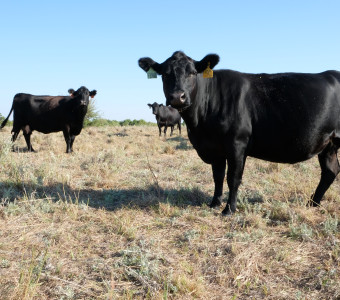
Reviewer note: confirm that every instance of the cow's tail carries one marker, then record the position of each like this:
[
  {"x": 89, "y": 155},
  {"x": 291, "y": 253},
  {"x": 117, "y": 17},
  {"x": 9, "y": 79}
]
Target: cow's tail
[{"x": 5, "y": 121}]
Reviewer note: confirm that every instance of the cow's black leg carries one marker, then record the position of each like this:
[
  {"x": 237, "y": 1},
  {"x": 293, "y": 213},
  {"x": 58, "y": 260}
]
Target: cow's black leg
[
  {"x": 179, "y": 127},
  {"x": 15, "y": 135},
  {"x": 234, "y": 176},
  {"x": 28, "y": 142},
  {"x": 218, "y": 170},
  {"x": 27, "y": 134},
  {"x": 172, "y": 130},
  {"x": 15, "y": 130},
  {"x": 72, "y": 140},
  {"x": 160, "y": 130},
  {"x": 165, "y": 128},
  {"x": 329, "y": 169},
  {"x": 67, "y": 137}
]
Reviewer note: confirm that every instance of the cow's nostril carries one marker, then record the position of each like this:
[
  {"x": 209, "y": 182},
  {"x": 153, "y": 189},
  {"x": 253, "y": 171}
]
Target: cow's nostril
[{"x": 182, "y": 97}]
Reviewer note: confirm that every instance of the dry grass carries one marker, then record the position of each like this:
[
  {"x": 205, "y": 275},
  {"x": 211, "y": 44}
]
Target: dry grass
[{"x": 125, "y": 217}]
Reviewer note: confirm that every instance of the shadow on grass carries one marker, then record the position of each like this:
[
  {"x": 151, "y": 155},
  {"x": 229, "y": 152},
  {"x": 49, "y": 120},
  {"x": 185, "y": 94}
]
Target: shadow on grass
[
  {"x": 176, "y": 138},
  {"x": 183, "y": 143},
  {"x": 109, "y": 199},
  {"x": 20, "y": 149}
]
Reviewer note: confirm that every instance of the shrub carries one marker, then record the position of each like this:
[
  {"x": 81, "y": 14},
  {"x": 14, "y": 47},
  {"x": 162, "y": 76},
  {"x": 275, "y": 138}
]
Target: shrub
[
  {"x": 92, "y": 114},
  {"x": 2, "y": 118},
  {"x": 93, "y": 118},
  {"x": 135, "y": 122}
]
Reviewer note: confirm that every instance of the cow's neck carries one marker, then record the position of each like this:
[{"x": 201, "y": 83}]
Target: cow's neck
[
  {"x": 80, "y": 113},
  {"x": 198, "y": 111}
]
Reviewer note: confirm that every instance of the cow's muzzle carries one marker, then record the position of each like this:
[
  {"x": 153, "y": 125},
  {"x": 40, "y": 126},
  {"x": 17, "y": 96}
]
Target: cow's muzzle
[{"x": 177, "y": 99}]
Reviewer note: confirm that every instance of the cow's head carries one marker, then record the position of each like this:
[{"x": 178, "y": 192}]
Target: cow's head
[
  {"x": 155, "y": 107},
  {"x": 82, "y": 95},
  {"x": 179, "y": 75}
]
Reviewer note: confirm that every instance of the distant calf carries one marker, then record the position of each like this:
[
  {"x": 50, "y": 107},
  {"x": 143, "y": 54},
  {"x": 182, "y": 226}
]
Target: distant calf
[
  {"x": 166, "y": 116},
  {"x": 48, "y": 114}
]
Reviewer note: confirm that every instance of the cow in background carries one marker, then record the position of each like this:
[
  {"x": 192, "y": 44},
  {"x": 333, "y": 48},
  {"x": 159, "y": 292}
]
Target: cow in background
[
  {"x": 166, "y": 116},
  {"x": 284, "y": 117},
  {"x": 48, "y": 114}
]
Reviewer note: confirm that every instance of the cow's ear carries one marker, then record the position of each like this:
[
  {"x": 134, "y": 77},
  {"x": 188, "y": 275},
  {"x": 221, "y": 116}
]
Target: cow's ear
[
  {"x": 93, "y": 93},
  {"x": 149, "y": 105},
  {"x": 146, "y": 63},
  {"x": 71, "y": 91},
  {"x": 213, "y": 59}
]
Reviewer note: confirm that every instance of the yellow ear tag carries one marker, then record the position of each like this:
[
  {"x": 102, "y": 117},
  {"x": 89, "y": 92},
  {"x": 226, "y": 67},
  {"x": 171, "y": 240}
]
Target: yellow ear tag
[
  {"x": 151, "y": 73},
  {"x": 208, "y": 73}
]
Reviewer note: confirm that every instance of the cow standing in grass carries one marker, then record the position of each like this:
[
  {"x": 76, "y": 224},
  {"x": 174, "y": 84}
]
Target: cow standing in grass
[
  {"x": 285, "y": 117},
  {"x": 166, "y": 116},
  {"x": 48, "y": 114}
]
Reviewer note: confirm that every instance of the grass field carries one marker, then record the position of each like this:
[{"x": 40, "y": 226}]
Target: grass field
[{"x": 125, "y": 217}]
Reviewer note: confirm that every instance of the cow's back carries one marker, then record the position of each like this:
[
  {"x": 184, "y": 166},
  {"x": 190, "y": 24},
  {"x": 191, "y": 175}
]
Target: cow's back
[{"x": 293, "y": 115}]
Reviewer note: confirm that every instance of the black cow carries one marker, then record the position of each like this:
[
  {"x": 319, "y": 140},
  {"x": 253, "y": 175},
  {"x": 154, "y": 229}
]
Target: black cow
[
  {"x": 286, "y": 118},
  {"x": 166, "y": 116},
  {"x": 48, "y": 114}
]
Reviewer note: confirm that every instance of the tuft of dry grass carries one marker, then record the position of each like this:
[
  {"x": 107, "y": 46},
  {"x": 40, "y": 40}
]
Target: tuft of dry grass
[{"x": 125, "y": 217}]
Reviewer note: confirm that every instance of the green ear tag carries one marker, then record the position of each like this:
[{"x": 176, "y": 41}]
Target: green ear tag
[
  {"x": 208, "y": 73},
  {"x": 151, "y": 73}
]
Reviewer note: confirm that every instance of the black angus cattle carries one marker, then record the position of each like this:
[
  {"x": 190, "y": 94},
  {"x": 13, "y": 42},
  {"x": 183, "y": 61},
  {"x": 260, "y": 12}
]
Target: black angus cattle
[
  {"x": 48, "y": 114},
  {"x": 166, "y": 116},
  {"x": 286, "y": 118}
]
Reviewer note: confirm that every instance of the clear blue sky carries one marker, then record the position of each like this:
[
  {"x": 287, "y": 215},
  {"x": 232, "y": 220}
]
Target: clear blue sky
[{"x": 48, "y": 47}]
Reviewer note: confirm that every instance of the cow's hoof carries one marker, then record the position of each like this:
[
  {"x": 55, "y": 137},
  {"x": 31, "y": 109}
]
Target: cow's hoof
[
  {"x": 228, "y": 211},
  {"x": 215, "y": 203},
  {"x": 312, "y": 203}
]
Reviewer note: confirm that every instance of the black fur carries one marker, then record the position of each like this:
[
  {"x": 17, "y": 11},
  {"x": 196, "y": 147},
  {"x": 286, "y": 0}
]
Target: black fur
[
  {"x": 48, "y": 114},
  {"x": 166, "y": 116},
  {"x": 285, "y": 117}
]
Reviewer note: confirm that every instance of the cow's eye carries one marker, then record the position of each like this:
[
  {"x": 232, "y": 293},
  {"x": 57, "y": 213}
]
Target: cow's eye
[{"x": 194, "y": 73}]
